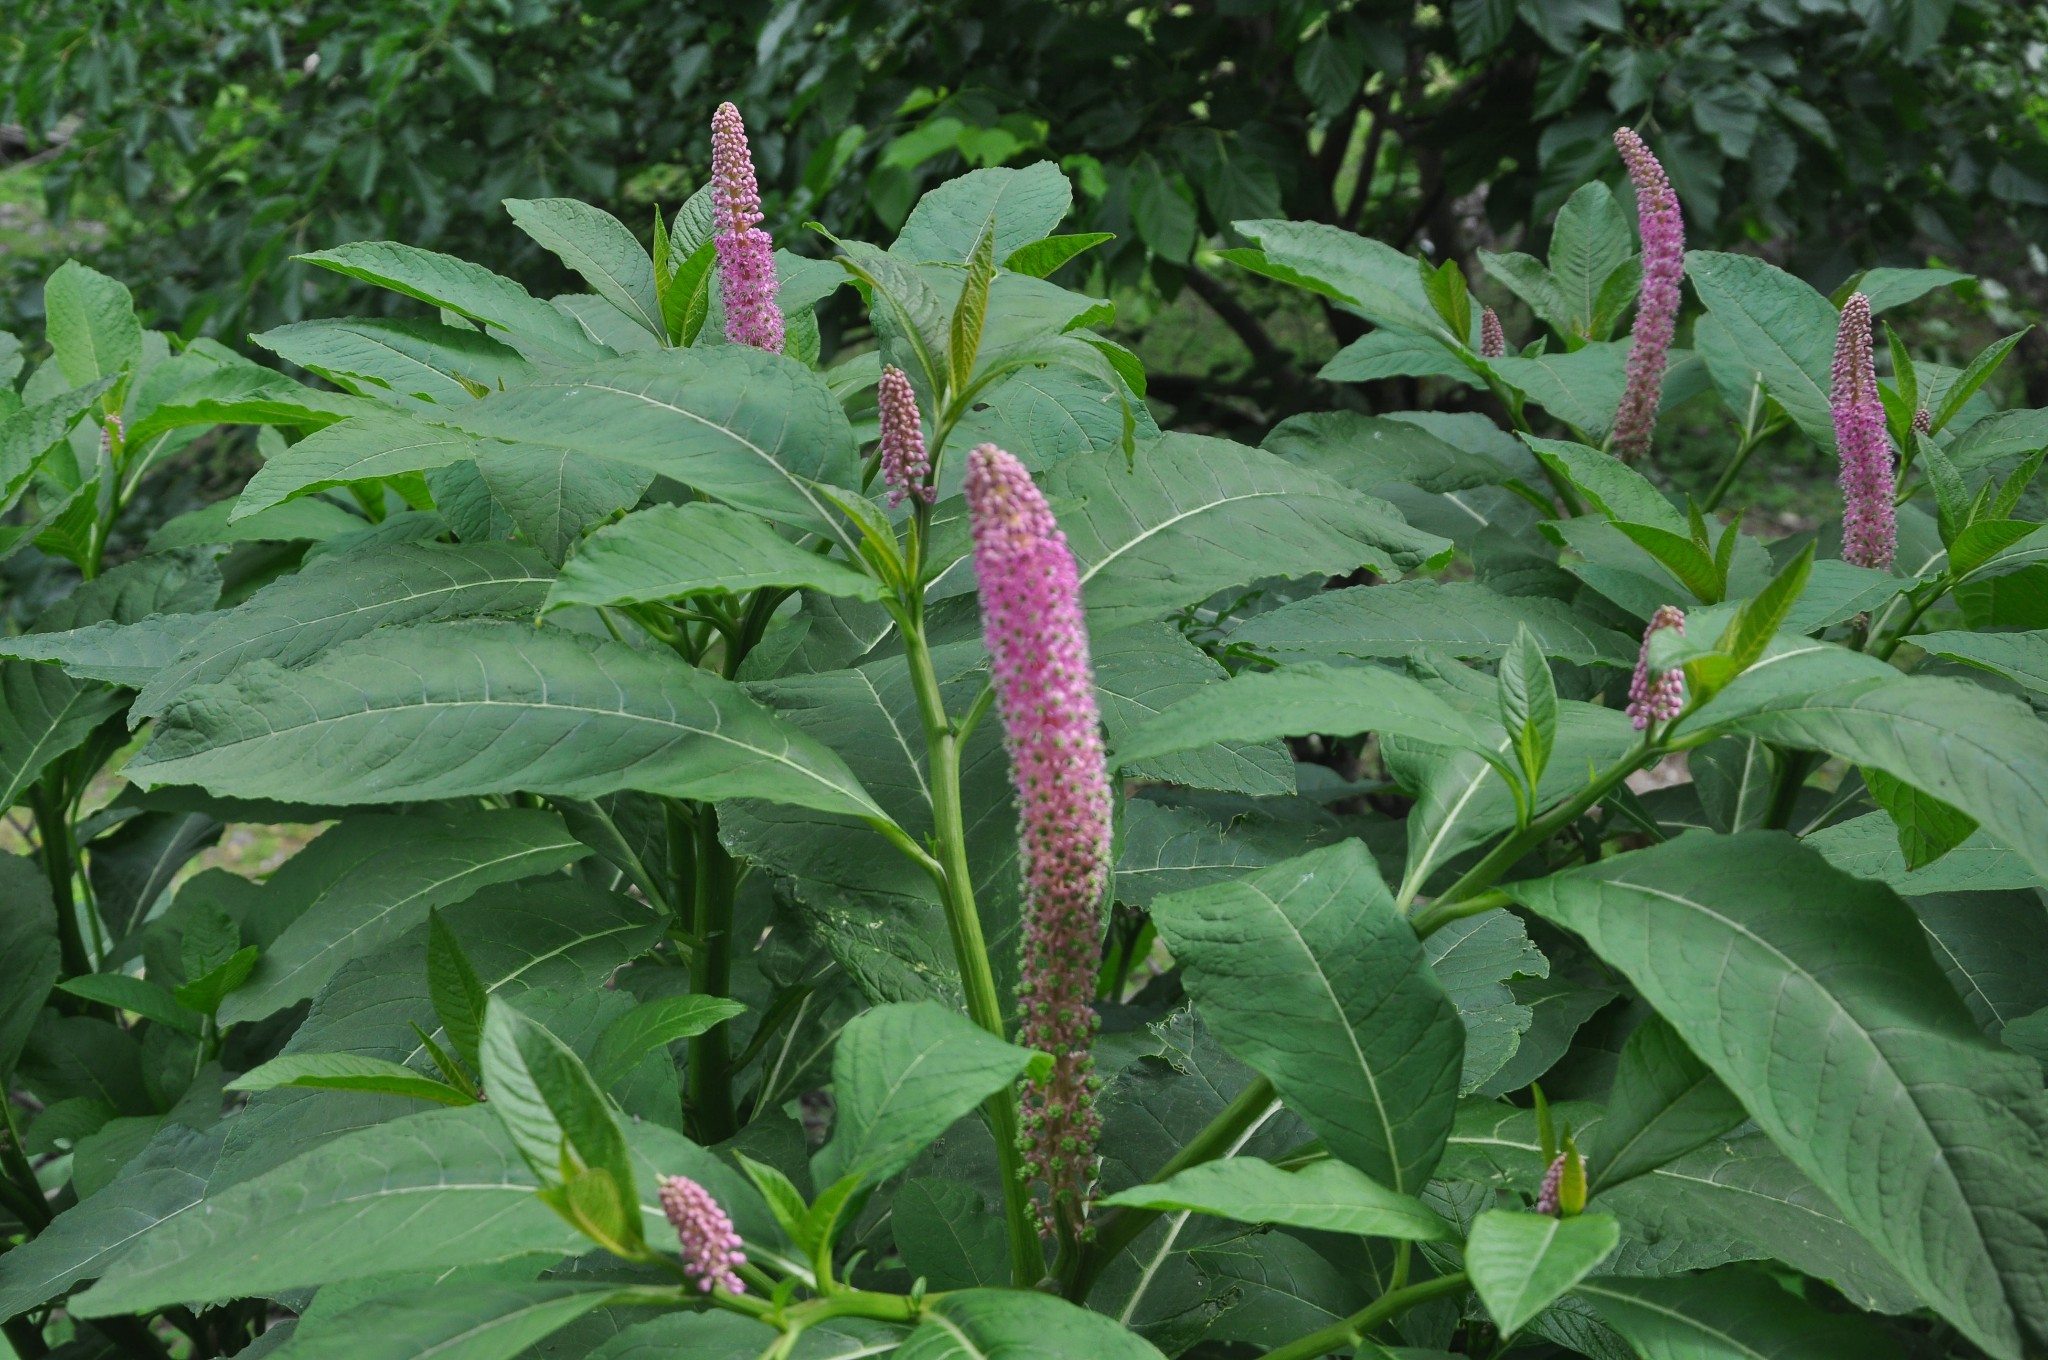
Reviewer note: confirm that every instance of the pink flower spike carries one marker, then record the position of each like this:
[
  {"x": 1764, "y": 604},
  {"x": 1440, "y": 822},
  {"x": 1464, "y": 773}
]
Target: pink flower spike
[
  {"x": 746, "y": 257},
  {"x": 1493, "y": 341},
  {"x": 1548, "y": 1197},
  {"x": 710, "y": 1248},
  {"x": 904, "y": 461},
  {"x": 1869, "y": 519},
  {"x": 1659, "y": 699},
  {"x": 1045, "y": 693},
  {"x": 1663, "y": 231}
]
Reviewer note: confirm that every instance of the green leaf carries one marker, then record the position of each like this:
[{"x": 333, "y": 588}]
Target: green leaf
[
  {"x": 969, "y": 313},
  {"x": 1326, "y": 1195},
  {"x": 466, "y": 289},
  {"x": 1368, "y": 452},
  {"x": 1665, "y": 1102},
  {"x": 1040, "y": 258},
  {"x": 1759, "y": 619},
  {"x": 1782, "y": 328},
  {"x": 596, "y": 245},
  {"x": 92, "y": 325},
  {"x": 1163, "y": 210},
  {"x": 453, "y": 1321},
  {"x": 29, "y": 433},
  {"x": 653, "y": 1025},
  {"x": 549, "y": 1103},
  {"x": 362, "y": 448},
  {"x": 370, "y": 879},
  {"x": 1973, "y": 377},
  {"x": 458, "y": 993},
  {"x": 1614, "y": 488},
  {"x": 541, "y": 710},
  {"x": 666, "y": 551},
  {"x": 1367, "y": 277},
  {"x": 1581, "y": 387},
  {"x": 1390, "y": 353},
  {"x": 296, "y": 620},
  {"x": 126, "y": 993},
  {"x": 1731, "y": 1314},
  {"x": 1868, "y": 847},
  {"x": 1017, "y": 1324},
  {"x": 1688, "y": 564},
  {"x": 29, "y": 955},
  {"x": 1027, "y": 204},
  {"x": 555, "y": 495},
  {"x": 1528, "y": 704},
  {"x": 1140, "y": 672},
  {"x": 948, "y": 1235},
  {"x": 1463, "y": 618},
  {"x": 1475, "y": 959},
  {"x": 1195, "y": 514},
  {"x": 1928, "y": 827},
  {"x": 1306, "y": 971},
  {"x": 1590, "y": 241},
  {"x": 411, "y": 364},
  {"x": 1520, "y": 1263},
  {"x": 347, "y": 1072},
  {"x": 1337, "y": 701},
  {"x": 751, "y": 428},
  {"x": 902, "y": 1075},
  {"x": 43, "y": 715},
  {"x": 2019, "y": 657},
  {"x": 1445, "y": 288},
  {"x": 209, "y": 987},
  {"x": 1750, "y": 946}
]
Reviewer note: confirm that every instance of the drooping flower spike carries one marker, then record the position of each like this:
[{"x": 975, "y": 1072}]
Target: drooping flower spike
[
  {"x": 1659, "y": 698},
  {"x": 904, "y": 461},
  {"x": 1045, "y": 693},
  {"x": 1493, "y": 341},
  {"x": 1869, "y": 519},
  {"x": 1663, "y": 231},
  {"x": 746, "y": 257},
  {"x": 710, "y": 1248}
]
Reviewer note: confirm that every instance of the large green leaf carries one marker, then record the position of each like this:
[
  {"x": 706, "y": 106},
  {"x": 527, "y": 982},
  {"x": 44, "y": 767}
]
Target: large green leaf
[
  {"x": 450, "y": 1321},
  {"x": 1665, "y": 1103},
  {"x": 901, "y": 1076},
  {"x": 947, "y": 1234},
  {"x": 1327, "y": 1195},
  {"x": 1027, "y": 204},
  {"x": 413, "y": 364},
  {"x": 362, "y": 448},
  {"x": 295, "y": 620},
  {"x": 44, "y": 714},
  {"x": 368, "y": 880},
  {"x": 1307, "y": 972},
  {"x": 2020, "y": 657},
  {"x": 1193, "y": 515},
  {"x": 1460, "y": 618},
  {"x": 1140, "y": 672},
  {"x": 535, "y": 709},
  {"x": 467, "y": 289},
  {"x": 552, "y": 1107},
  {"x": 1752, "y": 946},
  {"x": 1013, "y": 1324},
  {"x": 1732, "y": 1314},
  {"x": 599, "y": 247},
  {"x": 1520, "y": 1263},
  {"x": 92, "y": 325},
  {"x": 1362, "y": 275},
  {"x": 28, "y": 954},
  {"x": 1474, "y": 959},
  {"x": 666, "y": 551},
  {"x": 1614, "y": 488},
  {"x": 1366, "y": 452},
  {"x": 555, "y": 496},
  {"x": 1994, "y": 948},
  {"x": 1165, "y": 849},
  {"x": 752, "y": 428},
  {"x": 1783, "y": 330},
  {"x": 1581, "y": 387},
  {"x": 1868, "y": 847}
]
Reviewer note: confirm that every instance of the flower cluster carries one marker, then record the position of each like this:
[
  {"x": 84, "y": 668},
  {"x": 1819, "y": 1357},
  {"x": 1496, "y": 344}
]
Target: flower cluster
[
  {"x": 1869, "y": 524},
  {"x": 1657, "y": 699},
  {"x": 1045, "y": 693},
  {"x": 711, "y": 1249},
  {"x": 746, "y": 258},
  {"x": 904, "y": 461},
  {"x": 1493, "y": 341},
  {"x": 1663, "y": 233}
]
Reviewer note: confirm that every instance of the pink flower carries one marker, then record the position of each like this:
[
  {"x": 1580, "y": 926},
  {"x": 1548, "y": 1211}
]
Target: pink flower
[
  {"x": 710, "y": 1248},
  {"x": 746, "y": 258},
  {"x": 1869, "y": 523},
  {"x": 1493, "y": 341},
  {"x": 1548, "y": 1197},
  {"x": 1659, "y": 699},
  {"x": 1663, "y": 233},
  {"x": 904, "y": 461},
  {"x": 1045, "y": 692}
]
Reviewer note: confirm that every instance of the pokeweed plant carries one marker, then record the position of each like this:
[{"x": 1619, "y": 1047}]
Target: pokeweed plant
[{"x": 904, "y": 857}]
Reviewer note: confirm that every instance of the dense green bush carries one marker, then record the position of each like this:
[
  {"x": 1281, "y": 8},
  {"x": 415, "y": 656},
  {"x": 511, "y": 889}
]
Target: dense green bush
[{"x": 670, "y": 784}]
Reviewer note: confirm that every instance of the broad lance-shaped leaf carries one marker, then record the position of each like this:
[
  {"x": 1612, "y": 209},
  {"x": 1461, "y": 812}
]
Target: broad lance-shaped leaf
[
  {"x": 44, "y": 714},
  {"x": 1868, "y": 847},
  {"x": 1664, "y": 1103},
  {"x": 1737, "y": 1313},
  {"x": 751, "y": 428},
  {"x": 452, "y": 1321},
  {"x": 666, "y": 551},
  {"x": 599, "y": 247},
  {"x": 1018, "y": 1324},
  {"x": 1307, "y": 972},
  {"x": 1299, "y": 701},
  {"x": 535, "y": 709},
  {"x": 1139, "y": 672},
  {"x": 360, "y": 449},
  {"x": 347, "y": 1072},
  {"x": 409, "y": 363},
  {"x": 1327, "y": 1194},
  {"x": 1460, "y": 618},
  {"x": 464, "y": 288},
  {"x": 1520, "y": 1263},
  {"x": 1809, "y": 994},
  {"x": 1191, "y": 515},
  {"x": 1781, "y": 328}
]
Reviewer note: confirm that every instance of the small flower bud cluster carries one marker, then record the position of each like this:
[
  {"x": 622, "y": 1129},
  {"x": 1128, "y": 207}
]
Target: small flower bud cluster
[
  {"x": 904, "y": 461},
  {"x": 1547, "y": 1198},
  {"x": 1923, "y": 421},
  {"x": 1869, "y": 519},
  {"x": 746, "y": 257},
  {"x": 1660, "y": 698},
  {"x": 1493, "y": 341},
  {"x": 1663, "y": 231},
  {"x": 710, "y": 1248}
]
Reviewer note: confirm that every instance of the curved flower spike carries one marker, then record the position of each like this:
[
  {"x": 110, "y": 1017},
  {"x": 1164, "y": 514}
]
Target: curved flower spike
[{"x": 1663, "y": 231}]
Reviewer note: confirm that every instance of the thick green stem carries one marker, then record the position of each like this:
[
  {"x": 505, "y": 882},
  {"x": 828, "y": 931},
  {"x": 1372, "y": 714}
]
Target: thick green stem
[
  {"x": 1752, "y": 435},
  {"x": 970, "y": 949},
  {"x": 1118, "y": 1228},
  {"x": 711, "y": 975},
  {"x": 53, "y": 828},
  {"x": 1354, "y": 1329},
  {"x": 1793, "y": 767}
]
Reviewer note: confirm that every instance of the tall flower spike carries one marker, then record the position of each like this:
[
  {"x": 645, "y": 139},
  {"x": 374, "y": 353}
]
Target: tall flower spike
[
  {"x": 904, "y": 461},
  {"x": 1493, "y": 341},
  {"x": 1045, "y": 692},
  {"x": 746, "y": 258},
  {"x": 1869, "y": 524},
  {"x": 1663, "y": 233},
  {"x": 711, "y": 1249},
  {"x": 1656, "y": 699}
]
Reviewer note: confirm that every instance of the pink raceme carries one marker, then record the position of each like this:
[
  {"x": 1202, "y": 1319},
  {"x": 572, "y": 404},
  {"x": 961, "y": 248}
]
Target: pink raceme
[
  {"x": 1869, "y": 523},
  {"x": 1493, "y": 341},
  {"x": 746, "y": 257},
  {"x": 904, "y": 461},
  {"x": 1045, "y": 693},
  {"x": 1656, "y": 698},
  {"x": 710, "y": 1248},
  {"x": 1663, "y": 232}
]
